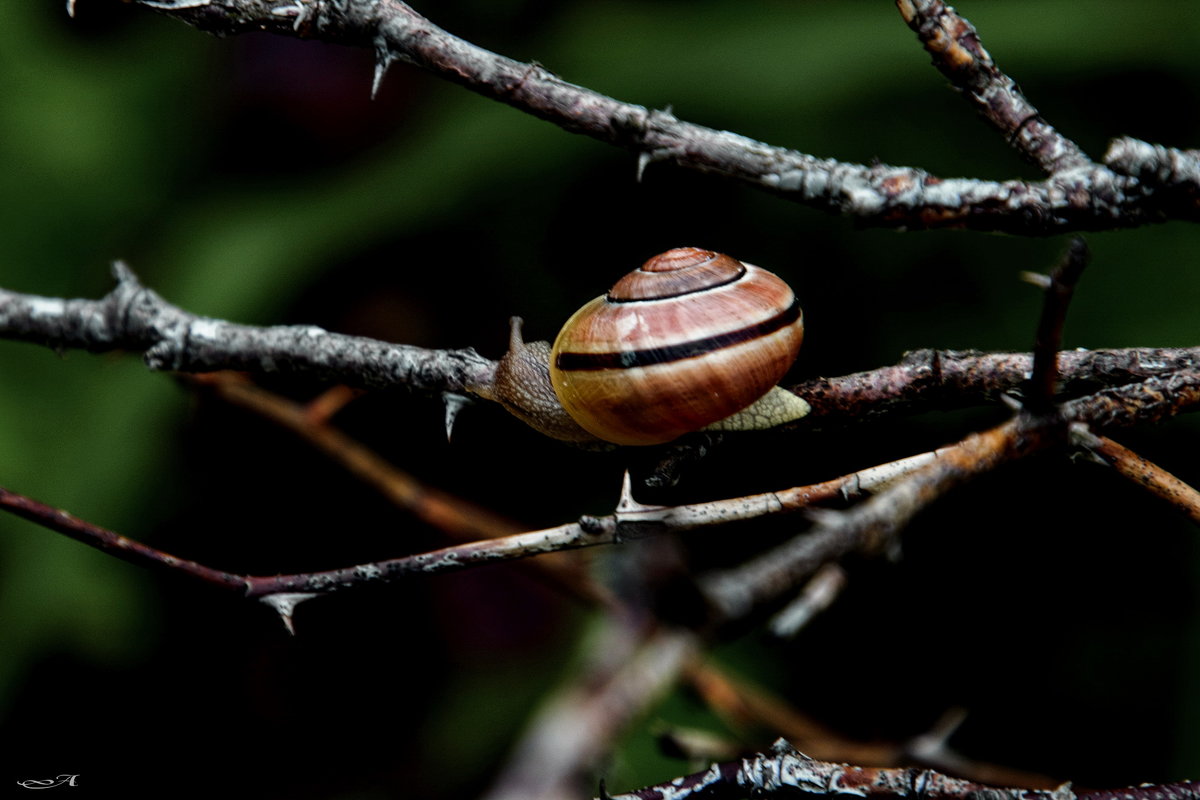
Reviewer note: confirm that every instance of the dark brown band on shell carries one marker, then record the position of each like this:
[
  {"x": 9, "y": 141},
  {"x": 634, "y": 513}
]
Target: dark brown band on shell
[
  {"x": 575, "y": 362},
  {"x": 676, "y": 273}
]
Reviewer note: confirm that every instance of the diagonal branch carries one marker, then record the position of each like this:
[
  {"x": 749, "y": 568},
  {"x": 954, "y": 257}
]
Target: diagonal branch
[
  {"x": 1079, "y": 195},
  {"x": 960, "y": 56},
  {"x": 873, "y": 524}
]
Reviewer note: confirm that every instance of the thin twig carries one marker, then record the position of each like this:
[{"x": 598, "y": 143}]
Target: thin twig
[
  {"x": 905, "y": 487},
  {"x": 113, "y": 543},
  {"x": 743, "y": 705},
  {"x": 457, "y": 518},
  {"x": 1144, "y": 473},
  {"x": 960, "y": 56},
  {"x": 1058, "y": 286},
  {"x": 578, "y": 726},
  {"x": 454, "y": 516},
  {"x": 873, "y": 524},
  {"x": 631, "y": 521}
]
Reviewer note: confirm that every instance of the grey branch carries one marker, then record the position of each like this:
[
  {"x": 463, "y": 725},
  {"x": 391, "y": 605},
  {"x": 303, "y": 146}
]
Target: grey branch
[
  {"x": 1079, "y": 194},
  {"x": 133, "y": 317},
  {"x": 785, "y": 772}
]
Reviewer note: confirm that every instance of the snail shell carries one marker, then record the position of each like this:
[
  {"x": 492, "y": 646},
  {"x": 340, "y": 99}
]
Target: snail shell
[{"x": 687, "y": 340}]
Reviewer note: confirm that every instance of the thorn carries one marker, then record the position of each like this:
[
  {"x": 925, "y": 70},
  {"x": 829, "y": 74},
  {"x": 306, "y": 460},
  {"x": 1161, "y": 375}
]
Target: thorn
[
  {"x": 454, "y": 404},
  {"x": 782, "y": 747},
  {"x": 1013, "y": 403},
  {"x": 626, "y": 502},
  {"x": 71, "y": 9},
  {"x": 644, "y": 160},
  {"x": 285, "y": 604},
  {"x": 932, "y": 744},
  {"x": 383, "y": 60},
  {"x": 1063, "y": 792},
  {"x": 121, "y": 273}
]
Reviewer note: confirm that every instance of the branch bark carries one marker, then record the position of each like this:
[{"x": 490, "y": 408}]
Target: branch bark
[
  {"x": 1080, "y": 195},
  {"x": 134, "y": 318},
  {"x": 785, "y": 772}
]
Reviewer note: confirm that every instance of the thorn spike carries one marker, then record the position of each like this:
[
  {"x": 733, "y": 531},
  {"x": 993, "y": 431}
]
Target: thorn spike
[
  {"x": 383, "y": 60},
  {"x": 454, "y": 404},
  {"x": 285, "y": 604}
]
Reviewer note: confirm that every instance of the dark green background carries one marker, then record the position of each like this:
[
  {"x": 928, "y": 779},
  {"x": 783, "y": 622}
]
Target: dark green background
[{"x": 252, "y": 179}]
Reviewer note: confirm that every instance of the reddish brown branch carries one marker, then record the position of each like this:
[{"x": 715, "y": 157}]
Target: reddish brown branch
[
  {"x": 1144, "y": 473},
  {"x": 113, "y": 543}
]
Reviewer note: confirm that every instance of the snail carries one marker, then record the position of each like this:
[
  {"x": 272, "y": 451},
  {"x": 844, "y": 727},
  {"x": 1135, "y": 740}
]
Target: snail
[{"x": 692, "y": 340}]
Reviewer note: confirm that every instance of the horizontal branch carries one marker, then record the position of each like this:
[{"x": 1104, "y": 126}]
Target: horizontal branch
[
  {"x": 785, "y": 772},
  {"x": 132, "y": 317},
  {"x": 1081, "y": 195},
  {"x": 945, "y": 379}
]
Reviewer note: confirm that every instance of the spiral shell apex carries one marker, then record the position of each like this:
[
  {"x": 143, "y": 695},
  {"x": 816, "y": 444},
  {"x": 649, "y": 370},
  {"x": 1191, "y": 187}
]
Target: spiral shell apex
[{"x": 686, "y": 340}]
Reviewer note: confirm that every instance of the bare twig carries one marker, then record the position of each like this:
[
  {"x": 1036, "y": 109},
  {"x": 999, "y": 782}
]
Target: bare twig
[
  {"x": 1085, "y": 197},
  {"x": 868, "y": 526},
  {"x": 1059, "y": 285},
  {"x": 454, "y": 516},
  {"x": 743, "y": 705},
  {"x": 958, "y": 53},
  {"x": 1144, "y": 473},
  {"x": 631, "y": 521},
  {"x": 113, "y": 543},
  {"x": 873, "y": 524},
  {"x": 946, "y": 379},
  {"x": 132, "y": 317},
  {"x": 816, "y": 596},
  {"x": 579, "y": 724},
  {"x": 787, "y": 773}
]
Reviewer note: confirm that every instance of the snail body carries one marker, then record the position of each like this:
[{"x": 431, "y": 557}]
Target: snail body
[{"x": 691, "y": 340}]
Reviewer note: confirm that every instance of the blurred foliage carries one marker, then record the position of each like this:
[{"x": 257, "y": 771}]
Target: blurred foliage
[{"x": 253, "y": 179}]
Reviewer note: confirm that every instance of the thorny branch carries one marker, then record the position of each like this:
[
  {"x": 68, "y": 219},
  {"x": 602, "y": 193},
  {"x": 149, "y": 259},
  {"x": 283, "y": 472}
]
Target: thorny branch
[
  {"x": 785, "y": 772},
  {"x": 134, "y": 318},
  {"x": 1129, "y": 189}
]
